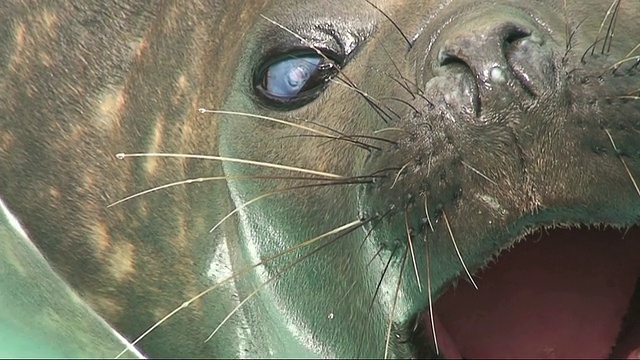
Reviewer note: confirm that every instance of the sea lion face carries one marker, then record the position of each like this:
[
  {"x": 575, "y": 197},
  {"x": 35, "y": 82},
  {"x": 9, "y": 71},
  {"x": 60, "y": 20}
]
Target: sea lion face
[
  {"x": 412, "y": 142},
  {"x": 465, "y": 121}
]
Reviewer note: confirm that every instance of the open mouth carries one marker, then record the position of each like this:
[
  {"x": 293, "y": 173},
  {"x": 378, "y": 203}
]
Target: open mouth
[{"x": 557, "y": 294}]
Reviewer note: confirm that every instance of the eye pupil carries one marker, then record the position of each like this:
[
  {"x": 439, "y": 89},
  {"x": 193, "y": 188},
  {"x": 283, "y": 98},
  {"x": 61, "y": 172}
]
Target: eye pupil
[
  {"x": 287, "y": 78},
  {"x": 298, "y": 77}
]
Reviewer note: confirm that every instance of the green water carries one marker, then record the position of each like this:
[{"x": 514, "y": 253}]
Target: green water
[
  {"x": 17, "y": 343},
  {"x": 40, "y": 316}
]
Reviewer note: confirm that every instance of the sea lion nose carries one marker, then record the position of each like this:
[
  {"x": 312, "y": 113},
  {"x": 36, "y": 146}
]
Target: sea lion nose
[{"x": 491, "y": 62}]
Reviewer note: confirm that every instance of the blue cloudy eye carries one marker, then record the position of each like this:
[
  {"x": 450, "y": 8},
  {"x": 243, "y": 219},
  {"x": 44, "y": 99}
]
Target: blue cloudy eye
[
  {"x": 288, "y": 78},
  {"x": 292, "y": 79}
]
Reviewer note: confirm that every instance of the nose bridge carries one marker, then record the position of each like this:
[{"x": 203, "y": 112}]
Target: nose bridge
[{"x": 480, "y": 44}]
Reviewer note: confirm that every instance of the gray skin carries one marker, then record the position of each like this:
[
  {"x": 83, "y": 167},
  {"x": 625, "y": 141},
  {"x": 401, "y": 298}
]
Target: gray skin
[{"x": 493, "y": 154}]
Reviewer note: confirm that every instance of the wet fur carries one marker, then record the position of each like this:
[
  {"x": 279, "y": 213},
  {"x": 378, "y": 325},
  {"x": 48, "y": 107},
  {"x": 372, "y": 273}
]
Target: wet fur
[{"x": 82, "y": 82}]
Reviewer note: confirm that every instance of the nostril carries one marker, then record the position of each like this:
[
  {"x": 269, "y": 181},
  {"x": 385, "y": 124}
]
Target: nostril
[
  {"x": 447, "y": 58},
  {"x": 508, "y": 35},
  {"x": 528, "y": 59},
  {"x": 490, "y": 65},
  {"x": 513, "y": 33}
]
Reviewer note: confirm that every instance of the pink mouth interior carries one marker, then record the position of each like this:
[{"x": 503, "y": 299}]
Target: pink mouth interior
[{"x": 557, "y": 294}]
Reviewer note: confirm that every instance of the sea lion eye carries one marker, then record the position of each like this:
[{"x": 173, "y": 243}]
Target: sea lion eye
[{"x": 293, "y": 81}]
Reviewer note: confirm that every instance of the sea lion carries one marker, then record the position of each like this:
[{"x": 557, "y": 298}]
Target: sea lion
[{"x": 359, "y": 157}]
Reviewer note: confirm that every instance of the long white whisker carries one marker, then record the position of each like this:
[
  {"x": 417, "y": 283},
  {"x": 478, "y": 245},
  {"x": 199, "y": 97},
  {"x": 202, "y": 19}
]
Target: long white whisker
[
  {"x": 633, "y": 181},
  {"x": 241, "y": 272},
  {"x": 242, "y": 207},
  {"x": 464, "y": 266},
  {"x": 275, "y": 276},
  {"x": 426, "y": 211},
  {"x": 431, "y": 315},
  {"x": 393, "y": 306},
  {"x": 288, "y": 123},
  {"x": 399, "y": 173},
  {"x": 165, "y": 186},
  {"x": 121, "y": 156},
  {"x": 413, "y": 256},
  {"x": 479, "y": 173}
]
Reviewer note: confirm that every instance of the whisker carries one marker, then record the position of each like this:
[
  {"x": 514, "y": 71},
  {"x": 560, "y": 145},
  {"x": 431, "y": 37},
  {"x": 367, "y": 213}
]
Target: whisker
[
  {"x": 376, "y": 222},
  {"x": 610, "y": 29},
  {"x": 353, "y": 283},
  {"x": 404, "y": 78},
  {"x": 413, "y": 255},
  {"x": 330, "y": 138},
  {"x": 271, "y": 193},
  {"x": 426, "y": 211},
  {"x": 352, "y": 226},
  {"x": 351, "y": 286},
  {"x": 205, "y": 179},
  {"x": 567, "y": 29},
  {"x": 375, "y": 138},
  {"x": 446, "y": 221},
  {"x": 326, "y": 127},
  {"x": 166, "y": 186},
  {"x": 398, "y": 174},
  {"x": 569, "y": 42},
  {"x": 393, "y": 306},
  {"x": 351, "y": 136},
  {"x": 121, "y": 156},
  {"x": 624, "y": 163},
  {"x": 310, "y": 45},
  {"x": 632, "y": 94},
  {"x": 392, "y": 22},
  {"x": 284, "y": 122},
  {"x": 288, "y": 123},
  {"x": 389, "y": 129},
  {"x": 632, "y": 51},
  {"x": 263, "y": 285},
  {"x": 384, "y": 272},
  {"x": 479, "y": 173},
  {"x": 370, "y": 100},
  {"x": 345, "y": 79},
  {"x": 590, "y": 47},
  {"x": 626, "y": 58},
  {"x": 402, "y": 101},
  {"x": 606, "y": 15},
  {"x": 402, "y": 85},
  {"x": 385, "y": 170},
  {"x": 431, "y": 315},
  {"x": 419, "y": 92}
]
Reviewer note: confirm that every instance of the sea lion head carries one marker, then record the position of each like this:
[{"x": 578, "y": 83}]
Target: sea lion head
[
  {"x": 465, "y": 126},
  {"x": 365, "y": 158}
]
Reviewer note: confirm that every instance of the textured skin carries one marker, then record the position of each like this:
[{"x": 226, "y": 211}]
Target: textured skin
[{"x": 82, "y": 81}]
